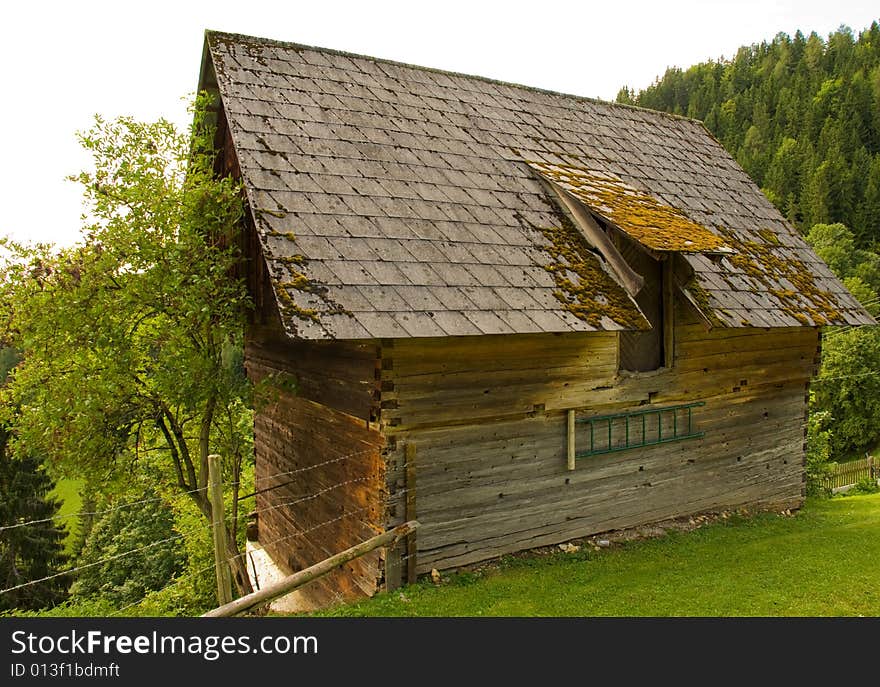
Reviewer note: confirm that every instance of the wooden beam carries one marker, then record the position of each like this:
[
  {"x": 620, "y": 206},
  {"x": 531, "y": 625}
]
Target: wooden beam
[
  {"x": 629, "y": 279},
  {"x": 411, "y": 544},
  {"x": 571, "y": 439},
  {"x": 311, "y": 573},
  {"x": 221, "y": 565},
  {"x": 668, "y": 313}
]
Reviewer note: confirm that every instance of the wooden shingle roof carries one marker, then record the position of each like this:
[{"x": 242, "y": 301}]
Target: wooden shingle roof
[{"x": 398, "y": 201}]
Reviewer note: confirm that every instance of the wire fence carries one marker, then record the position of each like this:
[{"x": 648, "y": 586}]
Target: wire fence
[
  {"x": 191, "y": 575},
  {"x": 158, "y": 499},
  {"x": 365, "y": 516}
]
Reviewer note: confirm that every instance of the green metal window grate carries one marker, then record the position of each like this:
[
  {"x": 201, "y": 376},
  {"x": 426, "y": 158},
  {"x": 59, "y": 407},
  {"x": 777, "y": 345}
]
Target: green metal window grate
[{"x": 648, "y": 427}]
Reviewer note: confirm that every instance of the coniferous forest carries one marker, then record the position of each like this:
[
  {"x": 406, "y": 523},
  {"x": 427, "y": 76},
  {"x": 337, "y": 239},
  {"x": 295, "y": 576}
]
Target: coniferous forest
[{"x": 801, "y": 115}]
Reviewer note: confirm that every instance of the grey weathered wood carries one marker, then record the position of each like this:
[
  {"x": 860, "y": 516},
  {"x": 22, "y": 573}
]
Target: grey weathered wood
[
  {"x": 490, "y": 416},
  {"x": 312, "y": 437},
  {"x": 303, "y": 577},
  {"x": 218, "y": 528},
  {"x": 411, "y": 513},
  {"x": 494, "y": 484},
  {"x": 570, "y": 440},
  {"x": 393, "y": 567}
]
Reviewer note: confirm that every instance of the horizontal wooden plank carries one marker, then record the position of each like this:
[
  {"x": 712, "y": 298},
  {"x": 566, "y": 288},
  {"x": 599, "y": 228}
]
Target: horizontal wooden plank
[
  {"x": 754, "y": 341},
  {"x": 698, "y": 332},
  {"x": 505, "y": 486},
  {"x": 492, "y": 470},
  {"x": 789, "y": 356},
  {"x": 437, "y": 407},
  {"x": 630, "y": 498}
]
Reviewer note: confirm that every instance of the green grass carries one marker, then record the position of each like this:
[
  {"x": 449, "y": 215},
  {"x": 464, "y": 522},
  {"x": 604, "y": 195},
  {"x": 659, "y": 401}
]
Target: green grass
[
  {"x": 822, "y": 561},
  {"x": 67, "y": 491}
]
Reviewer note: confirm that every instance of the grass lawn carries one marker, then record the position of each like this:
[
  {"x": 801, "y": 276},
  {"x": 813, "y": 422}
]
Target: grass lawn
[
  {"x": 67, "y": 491},
  {"x": 822, "y": 561}
]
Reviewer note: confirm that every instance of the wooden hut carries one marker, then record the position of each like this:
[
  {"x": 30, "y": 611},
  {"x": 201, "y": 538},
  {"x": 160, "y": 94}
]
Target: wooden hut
[{"x": 519, "y": 316}]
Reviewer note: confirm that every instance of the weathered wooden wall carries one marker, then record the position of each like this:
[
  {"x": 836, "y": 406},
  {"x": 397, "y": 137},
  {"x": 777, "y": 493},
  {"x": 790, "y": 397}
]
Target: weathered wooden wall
[
  {"x": 487, "y": 415},
  {"x": 312, "y": 415}
]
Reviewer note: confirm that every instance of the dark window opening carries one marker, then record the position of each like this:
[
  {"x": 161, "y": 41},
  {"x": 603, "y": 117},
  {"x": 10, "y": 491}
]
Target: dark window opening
[{"x": 645, "y": 350}]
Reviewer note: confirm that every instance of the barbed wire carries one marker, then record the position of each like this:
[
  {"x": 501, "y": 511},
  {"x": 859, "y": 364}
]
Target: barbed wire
[
  {"x": 201, "y": 571},
  {"x": 76, "y": 569},
  {"x": 129, "y": 504},
  {"x": 157, "y": 499}
]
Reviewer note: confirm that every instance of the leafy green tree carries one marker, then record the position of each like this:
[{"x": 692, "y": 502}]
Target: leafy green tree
[
  {"x": 9, "y": 358},
  {"x": 139, "y": 524},
  {"x": 835, "y": 244},
  {"x": 127, "y": 336},
  {"x": 845, "y": 394},
  {"x": 33, "y": 551},
  {"x": 818, "y": 465},
  {"x": 783, "y": 181},
  {"x": 848, "y": 388}
]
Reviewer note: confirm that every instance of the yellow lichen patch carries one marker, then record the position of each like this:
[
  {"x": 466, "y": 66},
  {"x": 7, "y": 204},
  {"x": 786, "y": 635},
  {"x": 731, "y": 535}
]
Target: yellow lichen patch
[
  {"x": 583, "y": 287},
  {"x": 701, "y": 298},
  {"x": 764, "y": 264},
  {"x": 289, "y": 235},
  {"x": 654, "y": 225},
  {"x": 292, "y": 259},
  {"x": 300, "y": 282},
  {"x": 769, "y": 236},
  {"x": 289, "y": 306}
]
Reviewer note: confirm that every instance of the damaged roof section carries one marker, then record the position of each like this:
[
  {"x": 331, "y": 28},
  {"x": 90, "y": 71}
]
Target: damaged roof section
[
  {"x": 642, "y": 217},
  {"x": 387, "y": 203}
]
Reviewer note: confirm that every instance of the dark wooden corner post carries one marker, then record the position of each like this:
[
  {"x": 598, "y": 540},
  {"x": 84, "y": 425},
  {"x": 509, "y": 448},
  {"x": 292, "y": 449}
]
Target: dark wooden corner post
[{"x": 405, "y": 553}]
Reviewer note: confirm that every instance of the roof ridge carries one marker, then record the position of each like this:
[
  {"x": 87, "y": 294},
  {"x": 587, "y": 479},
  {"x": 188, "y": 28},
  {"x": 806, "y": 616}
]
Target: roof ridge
[{"x": 240, "y": 37}]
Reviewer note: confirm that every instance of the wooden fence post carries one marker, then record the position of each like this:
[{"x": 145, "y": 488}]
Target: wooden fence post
[{"x": 215, "y": 494}]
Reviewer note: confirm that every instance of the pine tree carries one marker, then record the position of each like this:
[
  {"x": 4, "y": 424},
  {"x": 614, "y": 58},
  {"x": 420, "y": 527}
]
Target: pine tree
[{"x": 33, "y": 551}]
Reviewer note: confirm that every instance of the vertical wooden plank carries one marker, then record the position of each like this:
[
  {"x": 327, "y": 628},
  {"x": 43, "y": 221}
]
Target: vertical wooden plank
[
  {"x": 393, "y": 567},
  {"x": 668, "y": 313},
  {"x": 411, "y": 547},
  {"x": 571, "y": 439}
]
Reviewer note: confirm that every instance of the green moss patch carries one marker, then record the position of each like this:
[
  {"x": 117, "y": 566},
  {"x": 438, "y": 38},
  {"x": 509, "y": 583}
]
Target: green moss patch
[{"x": 583, "y": 287}]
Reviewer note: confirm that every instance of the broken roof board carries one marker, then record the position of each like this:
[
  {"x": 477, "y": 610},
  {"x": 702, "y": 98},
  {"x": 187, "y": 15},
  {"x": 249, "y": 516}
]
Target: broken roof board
[{"x": 390, "y": 175}]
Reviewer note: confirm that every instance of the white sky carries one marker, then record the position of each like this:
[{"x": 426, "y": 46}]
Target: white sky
[{"x": 61, "y": 62}]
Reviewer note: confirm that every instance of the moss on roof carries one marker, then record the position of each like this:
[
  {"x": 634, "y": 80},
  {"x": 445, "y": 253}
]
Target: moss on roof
[
  {"x": 583, "y": 287},
  {"x": 765, "y": 264},
  {"x": 641, "y": 216}
]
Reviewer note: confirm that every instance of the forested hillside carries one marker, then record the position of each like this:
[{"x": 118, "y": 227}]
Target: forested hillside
[{"x": 801, "y": 115}]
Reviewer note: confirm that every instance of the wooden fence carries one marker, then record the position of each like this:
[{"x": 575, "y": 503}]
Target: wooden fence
[{"x": 846, "y": 474}]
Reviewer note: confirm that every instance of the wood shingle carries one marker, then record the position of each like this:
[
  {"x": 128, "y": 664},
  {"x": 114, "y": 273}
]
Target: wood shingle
[{"x": 408, "y": 190}]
